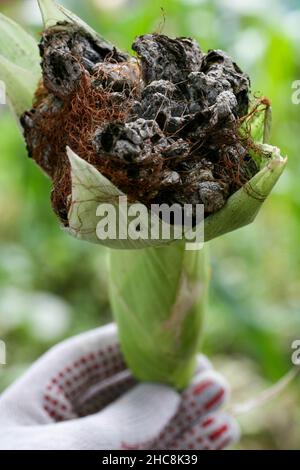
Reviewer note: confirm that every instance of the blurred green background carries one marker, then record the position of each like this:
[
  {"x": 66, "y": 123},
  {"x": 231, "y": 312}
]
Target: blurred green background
[{"x": 52, "y": 286}]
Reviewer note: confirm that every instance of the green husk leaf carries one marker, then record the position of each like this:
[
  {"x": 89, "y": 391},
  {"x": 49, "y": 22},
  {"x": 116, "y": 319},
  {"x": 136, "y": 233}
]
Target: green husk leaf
[
  {"x": 53, "y": 13},
  {"x": 90, "y": 189},
  {"x": 259, "y": 122},
  {"x": 18, "y": 47},
  {"x": 20, "y": 85},
  {"x": 243, "y": 206},
  {"x": 267, "y": 125},
  {"x": 159, "y": 305},
  {"x": 19, "y": 64}
]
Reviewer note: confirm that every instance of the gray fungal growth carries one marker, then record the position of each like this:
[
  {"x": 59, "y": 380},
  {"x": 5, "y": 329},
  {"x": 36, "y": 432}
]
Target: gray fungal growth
[
  {"x": 64, "y": 50},
  {"x": 164, "y": 126}
]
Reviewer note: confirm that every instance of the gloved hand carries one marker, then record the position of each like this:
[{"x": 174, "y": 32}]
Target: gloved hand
[{"x": 80, "y": 396}]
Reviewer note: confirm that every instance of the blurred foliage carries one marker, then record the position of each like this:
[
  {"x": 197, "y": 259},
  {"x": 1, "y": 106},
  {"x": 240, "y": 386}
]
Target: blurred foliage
[{"x": 52, "y": 286}]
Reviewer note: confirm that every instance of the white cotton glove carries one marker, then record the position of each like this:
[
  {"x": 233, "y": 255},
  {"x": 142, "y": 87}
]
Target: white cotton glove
[{"x": 80, "y": 396}]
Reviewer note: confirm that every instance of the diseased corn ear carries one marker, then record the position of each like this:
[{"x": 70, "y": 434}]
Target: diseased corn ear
[
  {"x": 19, "y": 64},
  {"x": 243, "y": 206}
]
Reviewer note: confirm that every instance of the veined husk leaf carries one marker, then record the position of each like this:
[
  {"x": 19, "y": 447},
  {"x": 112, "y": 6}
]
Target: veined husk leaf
[
  {"x": 90, "y": 188},
  {"x": 19, "y": 64},
  {"x": 20, "y": 85},
  {"x": 243, "y": 206},
  {"x": 259, "y": 122},
  {"x": 17, "y": 46},
  {"x": 158, "y": 297}
]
